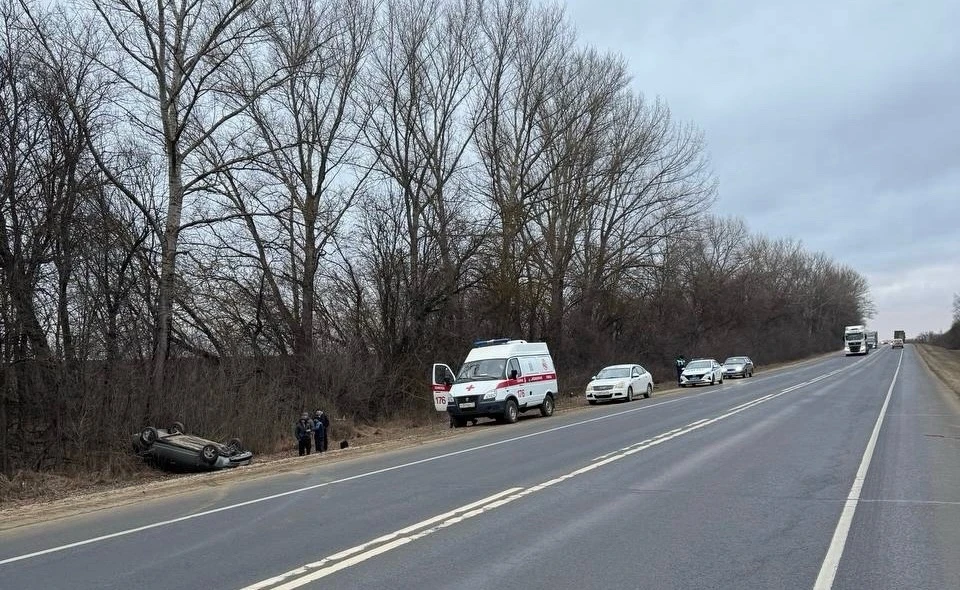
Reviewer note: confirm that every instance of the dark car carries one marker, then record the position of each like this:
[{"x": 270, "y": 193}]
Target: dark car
[
  {"x": 172, "y": 449},
  {"x": 738, "y": 366}
]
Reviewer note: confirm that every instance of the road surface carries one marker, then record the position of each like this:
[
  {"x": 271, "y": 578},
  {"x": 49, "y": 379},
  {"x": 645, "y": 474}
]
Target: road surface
[{"x": 841, "y": 473}]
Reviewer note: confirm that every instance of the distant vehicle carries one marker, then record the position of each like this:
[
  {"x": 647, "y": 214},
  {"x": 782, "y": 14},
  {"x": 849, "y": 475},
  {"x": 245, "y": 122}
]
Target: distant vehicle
[
  {"x": 700, "y": 371},
  {"x": 901, "y": 335},
  {"x": 855, "y": 340},
  {"x": 871, "y": 339},
  {"x": 499, "y": 379},
  {"x": 897, "y": 343},
  {"x": 623, "y": 382},
  {"x": 738, "y": 366},
  {"x": 171, "y": 449}
]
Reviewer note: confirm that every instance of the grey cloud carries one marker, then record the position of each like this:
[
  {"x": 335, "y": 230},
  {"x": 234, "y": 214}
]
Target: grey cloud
[{"x": 837, "y": 124}]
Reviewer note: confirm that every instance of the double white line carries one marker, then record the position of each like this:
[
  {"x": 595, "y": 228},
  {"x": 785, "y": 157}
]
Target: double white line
[{"x": 312, "y": 572}]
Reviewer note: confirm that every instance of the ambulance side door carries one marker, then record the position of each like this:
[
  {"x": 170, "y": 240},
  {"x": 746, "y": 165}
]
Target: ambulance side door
[
  {"x": 514, "y": 385},
  {"x": 442, "y": 382}
]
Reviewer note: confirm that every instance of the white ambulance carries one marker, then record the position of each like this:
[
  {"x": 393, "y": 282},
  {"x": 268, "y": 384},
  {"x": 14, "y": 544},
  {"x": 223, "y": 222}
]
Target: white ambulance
[{"x": 499, "y": 379}]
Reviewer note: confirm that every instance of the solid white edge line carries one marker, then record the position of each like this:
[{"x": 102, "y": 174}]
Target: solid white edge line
[
  {"x": 831, "y": 562},
  {"x": 186, "y": 517}
]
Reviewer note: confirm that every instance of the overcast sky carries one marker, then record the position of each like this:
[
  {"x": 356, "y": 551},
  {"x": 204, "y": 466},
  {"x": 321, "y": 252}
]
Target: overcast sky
[{"x": 834, "y": 123}]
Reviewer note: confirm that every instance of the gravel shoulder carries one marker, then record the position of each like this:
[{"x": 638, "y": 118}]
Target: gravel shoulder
[{"x": 943, "y": 363}]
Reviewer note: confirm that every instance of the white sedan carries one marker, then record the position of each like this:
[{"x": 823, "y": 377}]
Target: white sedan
[
  {"x": 622, "y": 382},
  {"x": 699, "y": 371}
]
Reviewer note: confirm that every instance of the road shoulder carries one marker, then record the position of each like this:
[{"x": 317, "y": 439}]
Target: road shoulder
[{"x": 28, "y": 513}]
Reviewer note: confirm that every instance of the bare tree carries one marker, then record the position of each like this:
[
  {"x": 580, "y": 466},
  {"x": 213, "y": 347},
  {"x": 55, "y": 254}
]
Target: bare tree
[
  {"x": 175, "y": 61},
  {"x": 526, "y": 46},
  {"x": 420, "y": 130}
]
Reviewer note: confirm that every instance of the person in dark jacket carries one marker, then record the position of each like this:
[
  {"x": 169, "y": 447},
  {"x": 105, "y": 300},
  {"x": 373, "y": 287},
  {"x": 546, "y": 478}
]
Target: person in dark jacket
[
  {"x": 303, "y": 432},
  {"x": 325, "y": 420},
  {"x": 319, "y": 431},
  {"x": 680, "y": 363}
]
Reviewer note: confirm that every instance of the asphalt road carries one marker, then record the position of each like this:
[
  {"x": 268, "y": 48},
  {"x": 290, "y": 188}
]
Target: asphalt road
[{"x": 785, "y": 480}]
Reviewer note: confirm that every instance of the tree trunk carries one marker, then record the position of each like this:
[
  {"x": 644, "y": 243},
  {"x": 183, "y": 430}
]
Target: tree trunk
[{"x": 168, "y": 269}]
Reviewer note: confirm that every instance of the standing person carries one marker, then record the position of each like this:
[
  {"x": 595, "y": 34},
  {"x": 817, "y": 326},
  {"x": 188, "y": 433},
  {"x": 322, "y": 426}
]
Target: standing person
[
  {"x": 680, "y": 363},
  {"x": 303, "y": 431},
  {"x": 325, "y": 420},
  {"x": 319, "y": 431}
]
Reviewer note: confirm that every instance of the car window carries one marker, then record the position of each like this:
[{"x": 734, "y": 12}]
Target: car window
[
  {"x": 636, "y": 373},
  {"x": 613, "y": 373},
  {"x": 441, "y": 372},
  {"x": 513, "y": 365}
]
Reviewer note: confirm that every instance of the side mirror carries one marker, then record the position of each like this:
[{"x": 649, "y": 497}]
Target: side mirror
[{"x": 594, "y": 378}]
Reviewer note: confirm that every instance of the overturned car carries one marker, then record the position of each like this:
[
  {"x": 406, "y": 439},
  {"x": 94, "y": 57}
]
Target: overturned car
[{"x": 172, "y": 449}]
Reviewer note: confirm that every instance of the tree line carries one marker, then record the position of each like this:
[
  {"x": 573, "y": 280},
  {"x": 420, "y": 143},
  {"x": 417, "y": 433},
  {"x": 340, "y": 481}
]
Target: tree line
[
  {"x": 229, "y": 211},
  {"x": 949, "y": 338}
]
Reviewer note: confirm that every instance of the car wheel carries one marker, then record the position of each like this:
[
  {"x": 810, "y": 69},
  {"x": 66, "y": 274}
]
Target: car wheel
[
  {"x": 148, "y": 436},
  {"x": 235, "y": 444},
  {"x": 592, "y": 402},
  {"x": 721, "y": 379},
  {"x": 511, "y": 412},
  {"x": 649, "y": 390},
  {"x": 630, "y": 394},
  {"x": 209, "y": 454},
  {"x": 459, "y": 422},
  {"x": 547, "y": 407},
  {"x": 176, "y": 428}
]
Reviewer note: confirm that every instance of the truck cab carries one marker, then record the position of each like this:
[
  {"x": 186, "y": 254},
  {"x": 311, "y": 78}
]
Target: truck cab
[{"x": 855, "y": 340}]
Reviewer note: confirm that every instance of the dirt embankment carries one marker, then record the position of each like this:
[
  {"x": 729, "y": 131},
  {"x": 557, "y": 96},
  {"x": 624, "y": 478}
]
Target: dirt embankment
[{"x": 944, "y": 363}]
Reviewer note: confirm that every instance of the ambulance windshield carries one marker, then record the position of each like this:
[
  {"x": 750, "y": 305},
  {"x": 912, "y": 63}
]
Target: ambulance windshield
[{"x": 480, "y": 370}]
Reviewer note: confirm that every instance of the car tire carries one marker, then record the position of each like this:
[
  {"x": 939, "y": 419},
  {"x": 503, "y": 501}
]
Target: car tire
[
  {"x": 235, "y": 444},
  {"x": 176, "y": 428},
  {"x": 148, "y": 436},
  {"x": 649, "y": 393},
  {"x": 209, "y": 454},
  {"x": 630, "y": 394},
  {"x": 547, "y": 407},
  {"x": 592, "y": 402},
  {"x": 459, "y": 422},
  {"x": 511, "y": 412},
  {"x": 721, "y": 380}
]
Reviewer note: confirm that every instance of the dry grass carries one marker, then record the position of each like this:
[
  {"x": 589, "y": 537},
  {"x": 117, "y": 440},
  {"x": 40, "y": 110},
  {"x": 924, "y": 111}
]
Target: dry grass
[{"x": 944, "y": 363}]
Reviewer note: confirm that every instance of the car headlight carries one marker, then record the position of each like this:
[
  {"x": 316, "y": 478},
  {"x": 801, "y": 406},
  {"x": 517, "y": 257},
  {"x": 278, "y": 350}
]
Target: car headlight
[
  {"x": 620, "y": 384},
  {"x": 490, "y": 395}
]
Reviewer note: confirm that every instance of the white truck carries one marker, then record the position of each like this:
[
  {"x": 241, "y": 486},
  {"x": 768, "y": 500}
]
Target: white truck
[
  {"x": 872, "y": 341},
  {"x": 499, "y": 379},
  {"x": 855, "y": 340}
]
